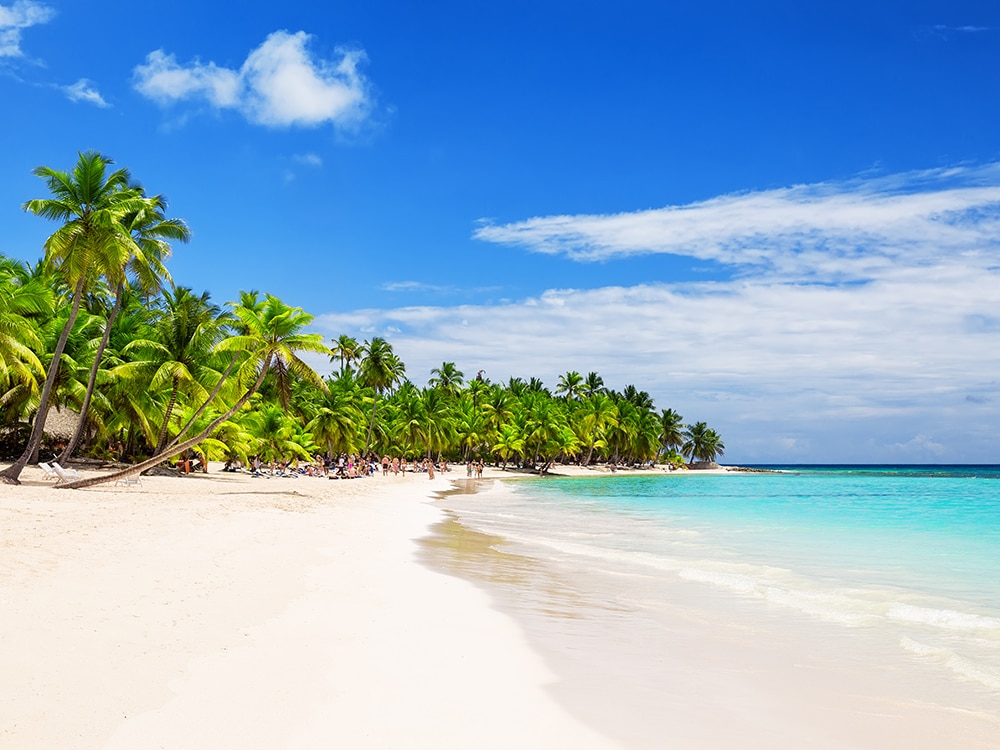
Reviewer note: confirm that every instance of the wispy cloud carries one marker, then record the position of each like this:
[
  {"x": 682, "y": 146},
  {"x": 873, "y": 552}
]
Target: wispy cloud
[
  {"x": 962, "y": 29},
  {"x": 14, "y": 18},
  {"x": 859, "y": 319},
  {"x": 413, "y": 286},
  {"x": 281, "y": 84},
  {"x": 308, "y": 160},
  {"x": 945, "y": 32},
  {"x": 834, "y": 231},
  {"x": 84, "y": 91}
]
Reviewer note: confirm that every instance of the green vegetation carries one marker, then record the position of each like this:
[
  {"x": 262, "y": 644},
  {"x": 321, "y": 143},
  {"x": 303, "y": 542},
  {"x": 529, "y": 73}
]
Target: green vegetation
[{"x": 156, "y": 370}]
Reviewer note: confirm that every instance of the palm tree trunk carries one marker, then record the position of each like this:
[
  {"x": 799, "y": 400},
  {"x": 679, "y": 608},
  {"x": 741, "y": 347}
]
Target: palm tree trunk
[
  {"x": 162, "y": 440},
  {"x": 10, "y": 475},
  {"x": 173, "y": 450},
  {"x": 92, "y": 380},
  {"x": 205, "y": 405},
  {"x": 371, "y": 425}
]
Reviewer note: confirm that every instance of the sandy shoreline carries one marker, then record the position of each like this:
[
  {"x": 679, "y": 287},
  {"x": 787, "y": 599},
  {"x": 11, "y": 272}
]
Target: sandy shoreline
[{"x": 222, "y": 611}]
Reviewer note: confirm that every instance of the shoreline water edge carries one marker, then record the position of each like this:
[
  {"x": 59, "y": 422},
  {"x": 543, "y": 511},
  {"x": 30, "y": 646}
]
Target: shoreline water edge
[
  {"x": 226, "y": 611},
  {"x": 659, "y": 634}
]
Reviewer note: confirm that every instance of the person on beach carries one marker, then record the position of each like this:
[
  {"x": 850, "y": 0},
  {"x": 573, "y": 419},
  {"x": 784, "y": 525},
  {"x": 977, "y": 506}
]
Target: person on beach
[
  {"x": 430, "y": 469},
  {"x": 385, "y": 466}
]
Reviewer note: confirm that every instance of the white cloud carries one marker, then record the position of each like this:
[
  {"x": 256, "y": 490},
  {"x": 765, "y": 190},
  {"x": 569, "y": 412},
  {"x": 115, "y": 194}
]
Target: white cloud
[
  {"x": 164, "y": 81},
  {"x": 833, "y": 231},
  {"x": 83, "y": 91},
  {"x": 786, "y": 359},
  {"x": 309, "y": 160},
  {"x": 281, "y": 84},
  {"x": 22, "y": 14}
]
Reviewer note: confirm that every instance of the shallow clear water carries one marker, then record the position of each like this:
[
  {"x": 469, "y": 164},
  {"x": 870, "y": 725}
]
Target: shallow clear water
[{"x": 907, "y": 556}]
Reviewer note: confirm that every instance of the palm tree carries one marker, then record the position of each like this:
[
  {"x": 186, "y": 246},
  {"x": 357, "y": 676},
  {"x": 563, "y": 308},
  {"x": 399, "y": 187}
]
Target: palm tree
[
  {"x": 596, "y": 413},
  {"x": 671, "y": 430},
  {"x": 92, "y": 204},
  {"x": 592, "y": 384},
  {"x": 570, "y": 385},
  {"x": 273, "y": 337},
  {"x": 702, "y": 443},
  {"x": 273, "y": 433},
  {"x": 336, "y": 420},
  {"x": 409, "y": 419},
  {"x": 447, "y": 377},
  {"x": 639, "y": 399},
  {"x": 380, "y": 369},
  {"x": 23, "y": 299},
  {"x": 347, "y": 349},
  {"x": 151, "y": 231},
  {"x": 439, "y": 426},
  {"x": 509, "y": 442},
  {"x": 188, "y": 328}
]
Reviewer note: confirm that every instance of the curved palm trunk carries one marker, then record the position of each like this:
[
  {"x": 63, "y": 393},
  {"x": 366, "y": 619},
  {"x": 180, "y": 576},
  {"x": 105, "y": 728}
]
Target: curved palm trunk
[
  {"x": 174, "y": 449},
  {"x": 10, "y": 475},
  {"x": 92, "y": 380},
  {"x": 205, "y": 405}
]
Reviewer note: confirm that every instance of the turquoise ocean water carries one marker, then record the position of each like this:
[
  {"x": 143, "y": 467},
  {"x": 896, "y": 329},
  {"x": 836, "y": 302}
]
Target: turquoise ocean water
[{"x": 904, "y": 556}]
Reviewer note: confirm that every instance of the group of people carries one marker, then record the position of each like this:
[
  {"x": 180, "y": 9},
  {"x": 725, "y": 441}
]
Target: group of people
[{"x": 352, "y": 466}]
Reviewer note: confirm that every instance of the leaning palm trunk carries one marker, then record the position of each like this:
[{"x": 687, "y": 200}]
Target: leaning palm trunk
[
  {"x": 10, "y": 475},
  {"x": 92, "y": 381},
  {"x": 174, "y": 450},
  {"x": 207, "y": 402}
]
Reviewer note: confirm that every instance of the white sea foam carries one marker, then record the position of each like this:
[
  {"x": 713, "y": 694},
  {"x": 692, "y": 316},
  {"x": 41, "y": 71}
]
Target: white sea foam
[
  {"x": 922, "y": 649},
  {"x": 740, "y": 584},
  {"x": 946, "y": 619},
  {"x": 958, "y": 664}
]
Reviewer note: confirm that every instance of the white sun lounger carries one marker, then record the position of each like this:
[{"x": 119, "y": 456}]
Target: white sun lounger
[
  {"x": 65, "y": 475},
  {"x": 50, "y": 473},
  {"x": 129, "y": 481}
]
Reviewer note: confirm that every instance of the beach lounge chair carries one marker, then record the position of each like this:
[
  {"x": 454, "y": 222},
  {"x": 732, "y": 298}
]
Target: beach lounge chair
[
  {"x": 129, "y": 481},
  {"x": 50, "y": 473},
  {"x": 65, "y": 475}
]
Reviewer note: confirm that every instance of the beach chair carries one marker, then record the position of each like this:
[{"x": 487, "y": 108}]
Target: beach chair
[
  {"x": 50, "y": 473},
  {"x": 65, "y": 475},
  {"x": 130, "y": 481}
]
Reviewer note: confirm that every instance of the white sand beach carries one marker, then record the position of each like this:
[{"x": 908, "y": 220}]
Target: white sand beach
[{"x": 224, "y": 611}]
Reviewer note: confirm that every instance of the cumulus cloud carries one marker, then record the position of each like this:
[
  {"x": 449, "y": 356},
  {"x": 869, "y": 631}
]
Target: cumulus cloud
[
  {"x": 22, "y": 14},
  {"x": 860, "y": 316},
  {"x": 281, "y": 84},
  {"x": 84, "y": 91}
]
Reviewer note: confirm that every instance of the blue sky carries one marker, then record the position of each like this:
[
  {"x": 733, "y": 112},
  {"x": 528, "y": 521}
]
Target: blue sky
[{"x": 780, "y": 218}]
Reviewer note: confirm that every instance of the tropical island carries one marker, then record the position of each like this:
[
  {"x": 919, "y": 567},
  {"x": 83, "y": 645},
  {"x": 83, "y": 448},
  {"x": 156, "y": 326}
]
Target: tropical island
[{"x": 156, "y": 371}]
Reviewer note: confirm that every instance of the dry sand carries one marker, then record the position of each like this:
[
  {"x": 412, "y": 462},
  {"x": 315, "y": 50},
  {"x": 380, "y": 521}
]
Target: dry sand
[{"x": 223, "y": 611}]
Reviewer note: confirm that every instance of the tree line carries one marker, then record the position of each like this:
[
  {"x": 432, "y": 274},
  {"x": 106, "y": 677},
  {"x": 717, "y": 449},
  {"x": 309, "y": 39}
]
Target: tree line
[{"x": 155, "y": 369}]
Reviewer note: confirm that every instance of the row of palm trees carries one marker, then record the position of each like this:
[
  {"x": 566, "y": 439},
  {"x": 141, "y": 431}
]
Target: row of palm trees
[{"x": 155, "y": 369}]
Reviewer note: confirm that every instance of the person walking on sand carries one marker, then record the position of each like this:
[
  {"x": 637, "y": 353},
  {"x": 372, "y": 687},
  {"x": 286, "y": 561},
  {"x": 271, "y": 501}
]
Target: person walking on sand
[{"x": 430, "y": 469}]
